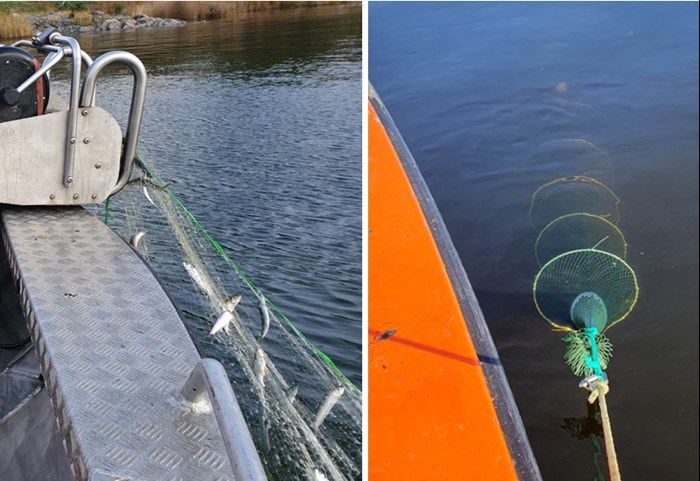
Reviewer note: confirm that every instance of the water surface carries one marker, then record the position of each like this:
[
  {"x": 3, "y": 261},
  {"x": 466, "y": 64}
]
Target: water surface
[{"x": 257, "y": 123}]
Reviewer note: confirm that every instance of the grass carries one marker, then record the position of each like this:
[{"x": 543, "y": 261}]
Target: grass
[
  {"x": 196, "y": 10},
  {"x": 82, "y": 18},
  {"x": 22, "y": 7},
  {"x": 13, "y": 23}
]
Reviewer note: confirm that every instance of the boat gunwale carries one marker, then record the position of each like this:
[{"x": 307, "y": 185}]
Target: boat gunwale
[{"x": 506, "y": 409}]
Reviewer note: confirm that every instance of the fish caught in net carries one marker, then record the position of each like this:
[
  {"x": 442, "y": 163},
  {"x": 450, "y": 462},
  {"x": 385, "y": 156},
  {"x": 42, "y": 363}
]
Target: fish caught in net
[{"x": 303, "y": 413}]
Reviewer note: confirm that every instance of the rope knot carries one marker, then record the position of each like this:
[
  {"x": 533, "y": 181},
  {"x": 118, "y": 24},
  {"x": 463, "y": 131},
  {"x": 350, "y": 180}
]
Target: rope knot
[{"x": 601, "y": 388}]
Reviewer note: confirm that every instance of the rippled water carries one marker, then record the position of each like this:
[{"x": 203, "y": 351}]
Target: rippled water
[
  {"x": 256, "y": 126},
  {"x": 496, "y": 99},
  {"x": 257, "y": 122}
]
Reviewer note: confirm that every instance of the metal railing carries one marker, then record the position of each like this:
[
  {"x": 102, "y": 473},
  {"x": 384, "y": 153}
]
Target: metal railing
[
  {"x": 209, "y": 376},
  {"x": 58, "y": 46},
  {"x": 138, "y": 97}
]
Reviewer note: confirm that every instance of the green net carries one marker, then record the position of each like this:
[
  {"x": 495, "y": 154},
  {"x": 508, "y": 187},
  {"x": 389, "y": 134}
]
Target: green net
[
  {"x": 568, "y": 195},
  {"x": 579, "y": 231},
  {"x": 564, "y": 278},
  {"x": 304, "y": 415},
  {"x": 588, "y": 310}
]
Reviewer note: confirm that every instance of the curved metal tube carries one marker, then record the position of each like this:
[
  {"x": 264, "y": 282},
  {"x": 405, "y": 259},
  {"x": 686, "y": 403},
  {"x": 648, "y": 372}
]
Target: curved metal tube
[
  {"x": 210, "y": 374},
  {"x": 22, "y": 43},
  {"x": 51, "y": 59},
  {"x": 138, "y": 97},
  {"x": 87, "y": 60},
  {"x": 73, "y": 113}
]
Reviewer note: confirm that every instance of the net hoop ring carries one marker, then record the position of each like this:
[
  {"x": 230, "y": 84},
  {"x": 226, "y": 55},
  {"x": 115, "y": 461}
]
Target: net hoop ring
[
  {"x": 565, "y": 328},
  {"x": 586, "y": 214},
  {"x": 577, "y": 178}
]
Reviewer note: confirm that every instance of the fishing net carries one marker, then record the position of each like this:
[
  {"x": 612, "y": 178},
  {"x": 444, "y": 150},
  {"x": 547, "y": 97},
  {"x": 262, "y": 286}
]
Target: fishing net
[
  {"x": 585, "y": 286},
  {"x": 582, "y": 284},
  {"x": 568, "y": 195},
  {"x": 579, "y": 231},
  {"x": 572, "y": 157},
  {"x": 304, "y": 414},
  {"x": 588, "y": 310}
]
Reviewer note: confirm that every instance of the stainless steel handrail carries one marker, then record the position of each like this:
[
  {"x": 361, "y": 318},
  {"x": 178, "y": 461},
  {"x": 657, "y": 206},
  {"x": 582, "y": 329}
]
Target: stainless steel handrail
[
  {"x": 87, "y": 60},
  {"x": 209, "y": 375},
  {"x": 73, "y": 106},
  {"x": 52, "y": 59},
  {"x": 138, "y": 97}
]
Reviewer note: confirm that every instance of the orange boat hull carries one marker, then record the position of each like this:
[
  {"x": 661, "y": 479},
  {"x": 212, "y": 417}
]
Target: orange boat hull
[{"x": 432, "y": 413}]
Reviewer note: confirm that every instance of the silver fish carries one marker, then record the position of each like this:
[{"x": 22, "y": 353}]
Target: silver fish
[
  {"x": 319, "y": 476},
  {"x": 145, "y": 192},
  {"x": 291, "y": 392},
  {"x": 136, "y": 239},
  {"x": 260, "y": 367},
  {"x": 327, "y": 404},
  {"x": 260, "y": 370},
  {"x": 226, "y": 316},
  {"x": 197, "y": 278},
  {"x": 231, "y": 303},
  {"x": 265, "y": 317},
  {"x": 222, "y": 322}
]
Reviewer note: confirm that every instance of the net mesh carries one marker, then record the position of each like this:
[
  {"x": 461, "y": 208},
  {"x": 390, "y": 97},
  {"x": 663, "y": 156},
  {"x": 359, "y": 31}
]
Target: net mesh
[
  {"x": 567, "y": 195},
  {"x": 304, "y": 414},
  {"x": 560, "y": 282},
  {"x": 579, "y": 231},
  {"x": 588, "y": 310}
]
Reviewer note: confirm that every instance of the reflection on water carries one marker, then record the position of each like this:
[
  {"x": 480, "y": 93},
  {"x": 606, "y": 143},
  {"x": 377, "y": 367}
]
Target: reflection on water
[
  {"x": 498, "y": 99},
  {"x": 588, "y": 428}
]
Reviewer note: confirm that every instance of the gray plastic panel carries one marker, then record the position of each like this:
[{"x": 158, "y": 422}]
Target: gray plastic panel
[{"x": 113, "y": 351}]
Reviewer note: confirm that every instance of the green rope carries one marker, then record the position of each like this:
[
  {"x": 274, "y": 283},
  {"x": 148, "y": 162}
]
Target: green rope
[
  {"x": 587, "y": 352},
  {"x": 597, "y": 452},
  {"x": 107, "y": 202},
  {"x": 217, "y": 247},
  {"x": 592, "y": 361}
]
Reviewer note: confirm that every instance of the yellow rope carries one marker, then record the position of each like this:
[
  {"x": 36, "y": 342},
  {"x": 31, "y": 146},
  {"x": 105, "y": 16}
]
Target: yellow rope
[{"x": 599, "y": 391}]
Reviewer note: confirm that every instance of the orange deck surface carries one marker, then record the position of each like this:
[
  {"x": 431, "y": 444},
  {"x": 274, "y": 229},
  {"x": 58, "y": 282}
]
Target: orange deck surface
[{"x": 430, "y": 412}]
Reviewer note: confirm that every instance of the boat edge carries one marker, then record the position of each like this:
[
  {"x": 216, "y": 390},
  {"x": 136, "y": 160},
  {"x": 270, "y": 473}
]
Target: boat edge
[{"x": 507, "y": 411}]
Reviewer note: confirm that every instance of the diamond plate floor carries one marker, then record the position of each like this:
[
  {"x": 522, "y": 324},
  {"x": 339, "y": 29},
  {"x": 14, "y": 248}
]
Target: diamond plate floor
[{"x": 113, "y": 351}]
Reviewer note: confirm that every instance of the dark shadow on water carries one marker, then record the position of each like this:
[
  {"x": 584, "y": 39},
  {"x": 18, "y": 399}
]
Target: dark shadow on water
[{"x": 588, "y": 428}]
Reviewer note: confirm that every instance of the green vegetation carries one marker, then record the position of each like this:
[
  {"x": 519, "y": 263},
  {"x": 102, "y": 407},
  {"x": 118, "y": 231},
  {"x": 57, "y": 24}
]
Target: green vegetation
[
  {"x": 14, "y": 24},
  {"x": 71, "y": 6},
  {"x": 22, "y": 7}
]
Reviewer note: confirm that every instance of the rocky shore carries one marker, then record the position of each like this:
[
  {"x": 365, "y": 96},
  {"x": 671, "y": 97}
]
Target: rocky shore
[{"x": 101, "y": 22}]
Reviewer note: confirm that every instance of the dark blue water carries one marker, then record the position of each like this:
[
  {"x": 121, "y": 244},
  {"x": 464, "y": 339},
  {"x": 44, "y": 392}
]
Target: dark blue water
[
  {"x": 496, "y": 99},
  {"x": 257, "y": 124}
]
